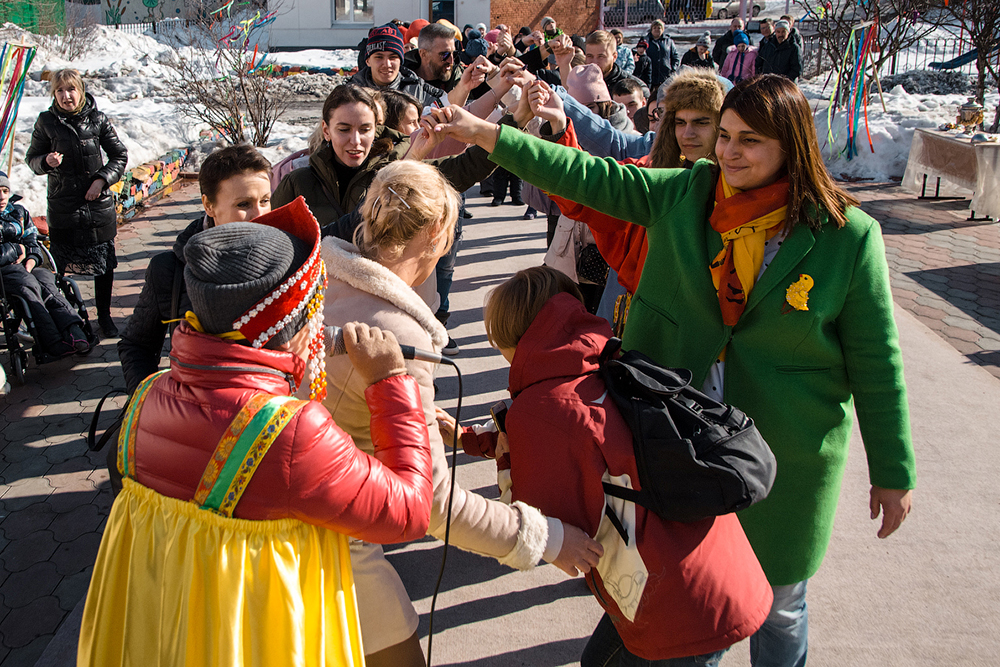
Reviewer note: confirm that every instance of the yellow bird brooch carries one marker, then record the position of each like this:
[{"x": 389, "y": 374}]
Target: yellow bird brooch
[{"x": 797, "y": 294}]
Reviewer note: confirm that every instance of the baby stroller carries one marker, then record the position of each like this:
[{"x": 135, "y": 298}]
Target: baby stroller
[{"x": 19, "y": 327}]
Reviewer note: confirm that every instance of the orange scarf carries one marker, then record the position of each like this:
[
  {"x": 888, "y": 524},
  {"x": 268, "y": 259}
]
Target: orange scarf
[{"x": 745, "y": 220}]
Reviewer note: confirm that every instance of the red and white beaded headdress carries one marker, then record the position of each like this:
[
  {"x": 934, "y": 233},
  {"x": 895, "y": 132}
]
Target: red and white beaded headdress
[{"x": 303, "y": 290}]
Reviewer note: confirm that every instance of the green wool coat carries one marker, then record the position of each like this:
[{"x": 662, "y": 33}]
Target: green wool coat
[{"x": 793, "y": 371}]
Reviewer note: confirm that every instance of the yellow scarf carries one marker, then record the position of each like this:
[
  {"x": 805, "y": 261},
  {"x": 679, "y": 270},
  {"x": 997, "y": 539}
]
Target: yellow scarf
[{"x": 735, "y": 268}]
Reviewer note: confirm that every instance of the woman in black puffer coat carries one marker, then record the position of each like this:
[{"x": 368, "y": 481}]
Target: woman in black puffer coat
[{"x": 66, "y": 146}]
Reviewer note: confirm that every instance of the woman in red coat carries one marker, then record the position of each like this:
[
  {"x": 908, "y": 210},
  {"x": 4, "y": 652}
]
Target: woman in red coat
[{"x": 670, "y": 590}]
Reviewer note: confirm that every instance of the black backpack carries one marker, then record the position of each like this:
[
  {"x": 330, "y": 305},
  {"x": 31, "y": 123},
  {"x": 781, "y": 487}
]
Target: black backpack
[{"x": 696, "y": 457}]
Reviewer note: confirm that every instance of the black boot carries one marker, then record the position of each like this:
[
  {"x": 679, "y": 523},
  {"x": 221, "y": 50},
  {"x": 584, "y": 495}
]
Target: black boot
[{"x": 108, "y": 328}]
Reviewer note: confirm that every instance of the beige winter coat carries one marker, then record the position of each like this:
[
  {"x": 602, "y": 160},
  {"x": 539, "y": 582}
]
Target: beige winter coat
[{"x": 363, "y": 290}]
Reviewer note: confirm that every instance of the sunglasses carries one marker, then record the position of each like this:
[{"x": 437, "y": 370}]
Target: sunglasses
[
  {"x": 656, "y": 113},
  {"x": 446, "y": 55}
]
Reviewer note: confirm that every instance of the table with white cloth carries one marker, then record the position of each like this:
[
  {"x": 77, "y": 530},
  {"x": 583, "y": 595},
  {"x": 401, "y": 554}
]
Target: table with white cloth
[{"x": 958, "y": 166}]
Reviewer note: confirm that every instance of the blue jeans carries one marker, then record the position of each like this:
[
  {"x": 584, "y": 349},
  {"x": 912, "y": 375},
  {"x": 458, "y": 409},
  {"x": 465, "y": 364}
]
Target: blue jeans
[
  {"x": 783, "y": 639},
  {"x": 605, "y": 649},
  {"x": 445, "y": 269}
]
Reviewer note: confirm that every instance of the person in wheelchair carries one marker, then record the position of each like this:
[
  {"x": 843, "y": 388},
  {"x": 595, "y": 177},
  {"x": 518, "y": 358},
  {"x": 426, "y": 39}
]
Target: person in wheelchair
[{"x": 56, "y": 326}]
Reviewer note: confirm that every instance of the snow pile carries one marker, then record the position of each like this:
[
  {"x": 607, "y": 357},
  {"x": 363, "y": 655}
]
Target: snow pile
[
  {"x": 126, "y": 74},
  {"x": 891, "y": 130}
]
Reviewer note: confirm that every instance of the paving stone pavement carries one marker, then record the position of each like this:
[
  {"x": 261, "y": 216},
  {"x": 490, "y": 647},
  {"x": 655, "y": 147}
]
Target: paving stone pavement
[
  {"x": 54, "y": 495},
  {"x": 945, "y": 269}
]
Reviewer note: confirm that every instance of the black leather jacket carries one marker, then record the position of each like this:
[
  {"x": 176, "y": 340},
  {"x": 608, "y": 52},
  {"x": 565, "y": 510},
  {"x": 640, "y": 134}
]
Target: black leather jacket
[{"x": 79, "y": 137}]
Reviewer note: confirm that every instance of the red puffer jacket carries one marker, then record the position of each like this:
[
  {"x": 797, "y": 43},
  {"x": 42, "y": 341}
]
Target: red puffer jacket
[
  {"x": 312, "y": 472},
  {"x": 705, "y": 589}
]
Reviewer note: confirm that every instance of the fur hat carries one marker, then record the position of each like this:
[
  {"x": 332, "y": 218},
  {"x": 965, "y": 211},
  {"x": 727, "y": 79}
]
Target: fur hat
[
  {"x": 691, "y": 88},
  {"x": 264, "y": 280},
  {"x": 705, "y": 40},
  {"x": 384, "y": 38},
  {"x": 740, "y": 37},
  {"x": 4, "y": 181},
  {"x": 586, "y": 85}
]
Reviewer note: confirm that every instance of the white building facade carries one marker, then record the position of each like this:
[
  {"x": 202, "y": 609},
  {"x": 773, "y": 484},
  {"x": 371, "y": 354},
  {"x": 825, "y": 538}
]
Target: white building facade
[{"x": 303, "y": 24}]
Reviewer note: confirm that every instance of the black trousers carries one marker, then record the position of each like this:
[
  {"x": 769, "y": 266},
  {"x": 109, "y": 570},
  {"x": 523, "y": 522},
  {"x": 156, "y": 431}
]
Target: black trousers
[
  {"x": 50, "y": 311},
  {"x": 501, "y": 179}
]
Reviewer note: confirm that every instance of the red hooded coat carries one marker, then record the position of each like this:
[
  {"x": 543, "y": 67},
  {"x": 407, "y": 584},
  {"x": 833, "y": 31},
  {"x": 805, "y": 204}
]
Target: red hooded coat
[{"x": 705, "y": 589}]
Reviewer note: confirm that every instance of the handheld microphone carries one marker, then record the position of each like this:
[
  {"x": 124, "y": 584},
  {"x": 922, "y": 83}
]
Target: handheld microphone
[{"x": 333, "y": 338}]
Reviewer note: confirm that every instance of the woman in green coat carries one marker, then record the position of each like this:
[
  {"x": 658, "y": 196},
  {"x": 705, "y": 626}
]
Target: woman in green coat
[{"x": 765, "y": 279}]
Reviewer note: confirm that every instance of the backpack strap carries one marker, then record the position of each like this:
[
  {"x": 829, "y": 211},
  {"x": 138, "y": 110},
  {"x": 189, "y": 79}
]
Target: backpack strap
[
  {"x": 126, "y": 437},
  {"x": 175, "y": 298},
  {"x": 241, "y": 449}
]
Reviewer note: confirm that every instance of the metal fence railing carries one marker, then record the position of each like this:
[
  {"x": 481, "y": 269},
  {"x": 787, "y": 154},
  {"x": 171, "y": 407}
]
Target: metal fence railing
[
  {"x": 638, "y": 13},
  {"x": 164, "y": 26},
  {"x": 816, "y": 59}
]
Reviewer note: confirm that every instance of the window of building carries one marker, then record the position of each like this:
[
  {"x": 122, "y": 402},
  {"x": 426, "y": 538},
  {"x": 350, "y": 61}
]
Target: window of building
[{"x": 353, "y": 11}]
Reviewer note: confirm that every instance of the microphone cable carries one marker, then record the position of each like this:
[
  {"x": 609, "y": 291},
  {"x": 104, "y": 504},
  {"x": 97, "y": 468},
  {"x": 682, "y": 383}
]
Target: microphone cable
[{"x": 451, "y": 498}]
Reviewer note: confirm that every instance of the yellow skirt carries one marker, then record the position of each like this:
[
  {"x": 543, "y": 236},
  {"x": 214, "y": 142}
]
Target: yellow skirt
[{"x": 177, "y": 585}]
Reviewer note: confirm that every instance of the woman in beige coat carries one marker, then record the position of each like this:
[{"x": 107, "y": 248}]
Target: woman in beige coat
[{"x": 409, "y": 219}]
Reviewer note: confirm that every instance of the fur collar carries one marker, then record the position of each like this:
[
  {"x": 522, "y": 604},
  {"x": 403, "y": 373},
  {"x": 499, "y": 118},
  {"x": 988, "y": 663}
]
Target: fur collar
[{"x": 345, "y": 264}]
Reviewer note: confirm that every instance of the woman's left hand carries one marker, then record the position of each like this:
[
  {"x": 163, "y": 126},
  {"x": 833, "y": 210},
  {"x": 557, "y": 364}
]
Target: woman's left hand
[
  {"x": 894, "y": 505},
  {"x": 95, "y": 189}
]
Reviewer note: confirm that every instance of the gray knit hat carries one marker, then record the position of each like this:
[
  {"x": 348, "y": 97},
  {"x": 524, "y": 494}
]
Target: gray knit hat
[
  {"x": 230, "y": 268},
  {"x": 4, "y": 181},
  {"x": 705, "y": 40}
]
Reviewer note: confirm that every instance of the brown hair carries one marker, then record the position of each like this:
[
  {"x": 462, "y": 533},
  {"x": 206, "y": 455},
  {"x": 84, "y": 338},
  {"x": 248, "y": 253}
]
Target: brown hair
[
  {"x": 396, "y": 104},
  {"x": 605, "y": 39},
  {"x": 775, "y": 107},
  {"x": 692, "y": 88},
  {"x": 72, "y": 77},
  {"x": 512, "y": 307},
  {"x": 405, "y": 199},
  {"x": 228, "y": 162},
  {"x": 348, "y": 93}
]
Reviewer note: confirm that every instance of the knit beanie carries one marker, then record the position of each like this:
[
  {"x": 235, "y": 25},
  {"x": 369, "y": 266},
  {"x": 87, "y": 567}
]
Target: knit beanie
[
  {"x": 705, "y": 40},
  {"x": 262, "y": 279},
  {"x": 643, "y": 43},
  {"x": 492, "y": 36},
  {"x": 586, "y": 85},
  {"x": 546, "y": 21},
  {"x": 384, "y": 38},
  {"x": 476, "y": 47},
  {"x": 783, "y": 24},
  {"x": 740, "y": 37},
  {"x": 4, "y": 181},
  {"x": 416, "y": 26}
]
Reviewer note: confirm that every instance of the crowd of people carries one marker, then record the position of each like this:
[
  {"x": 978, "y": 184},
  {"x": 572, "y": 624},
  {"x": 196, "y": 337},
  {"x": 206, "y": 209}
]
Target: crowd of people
[{"x": 258, "y": 449}]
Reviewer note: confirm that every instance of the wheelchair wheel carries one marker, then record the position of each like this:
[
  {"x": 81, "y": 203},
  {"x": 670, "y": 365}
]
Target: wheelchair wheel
[{"x": 18, "y": 362}]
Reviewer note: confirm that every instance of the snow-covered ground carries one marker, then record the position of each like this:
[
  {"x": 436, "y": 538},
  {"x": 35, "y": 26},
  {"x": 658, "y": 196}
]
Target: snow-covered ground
[{"x": 126, "y": 74}]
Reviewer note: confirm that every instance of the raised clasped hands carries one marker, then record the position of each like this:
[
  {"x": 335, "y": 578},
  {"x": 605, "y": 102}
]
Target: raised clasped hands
[
  {"x": 547, "y": 105},
  {"x": 454, "y": 121}
]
